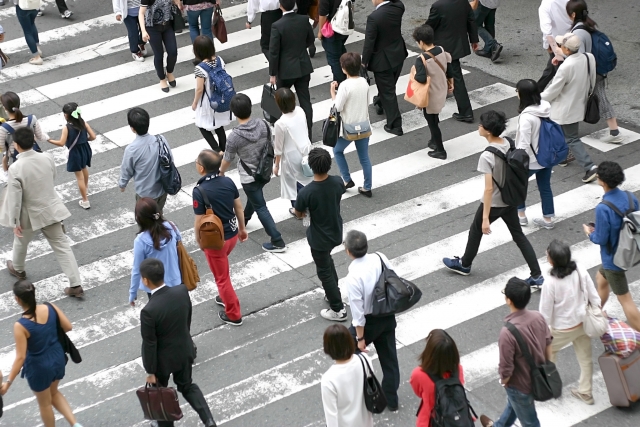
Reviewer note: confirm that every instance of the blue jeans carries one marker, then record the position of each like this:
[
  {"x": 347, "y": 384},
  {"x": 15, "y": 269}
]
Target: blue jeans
[
  {"x": 486, "y": 22},
  {"x": 257, "y": 204},
  {"x": 362, "y": 147},
  {"x": 543, "y": 178},
  {"x": 519, "y": 406},
  {"x": 205, "y": 16},
  {"x": 133, "y": 33},
  {"x": 27, "y": 20},
  {"x": 334, "y": 48}
]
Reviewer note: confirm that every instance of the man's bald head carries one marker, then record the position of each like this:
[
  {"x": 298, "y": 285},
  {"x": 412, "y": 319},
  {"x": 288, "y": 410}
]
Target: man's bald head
[{"x": 210, "y": 161}]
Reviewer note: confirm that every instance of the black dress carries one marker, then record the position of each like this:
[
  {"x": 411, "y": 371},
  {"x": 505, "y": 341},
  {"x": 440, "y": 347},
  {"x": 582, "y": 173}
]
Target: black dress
[{"x": 80, "y": 154}]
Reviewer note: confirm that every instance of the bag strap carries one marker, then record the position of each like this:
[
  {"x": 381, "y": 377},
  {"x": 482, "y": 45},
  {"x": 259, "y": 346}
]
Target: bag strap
[
  {"x": 437, "y": 62},
  {"x": 368, "y": 372},
  {"x": 75, "y": 141},
  {"x": 207, "y": 203},
  {"x": 614, "y": 208},
  {"x": 589, "y": 74},
  {"x": 175, "y": 229},
  {"x": 631, "y": 204},
  {"x": 57, "y": 317},
  {"x": 266, "y": 146},
  {"x": 524, "y": 348},
  {"x": 6, "y": 126}
]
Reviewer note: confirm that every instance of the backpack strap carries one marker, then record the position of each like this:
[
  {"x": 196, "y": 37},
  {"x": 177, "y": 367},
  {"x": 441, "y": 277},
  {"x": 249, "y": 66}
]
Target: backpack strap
[
  {"x": 524, "y": 348},
  {"x": 6, "y": 126},
  {"x": 207, "y": 203},
  {"x": 243, "y": 164},
  {"x": 614, "y": 208}
]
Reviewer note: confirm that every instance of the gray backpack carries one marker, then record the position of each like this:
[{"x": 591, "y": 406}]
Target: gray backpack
[{"x": 628, "y": 252}]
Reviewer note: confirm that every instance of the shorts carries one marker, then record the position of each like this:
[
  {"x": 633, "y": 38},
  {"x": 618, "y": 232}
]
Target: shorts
[{"x": 617, "y": 280}]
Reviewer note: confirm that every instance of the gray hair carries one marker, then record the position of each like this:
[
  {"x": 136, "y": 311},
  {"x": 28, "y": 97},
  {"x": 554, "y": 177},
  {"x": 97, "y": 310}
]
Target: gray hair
[{"x": 356, "y": 243}]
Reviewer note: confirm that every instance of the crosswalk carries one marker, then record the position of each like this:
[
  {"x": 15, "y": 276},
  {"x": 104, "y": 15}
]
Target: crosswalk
[{"x": 267, "y": 372}]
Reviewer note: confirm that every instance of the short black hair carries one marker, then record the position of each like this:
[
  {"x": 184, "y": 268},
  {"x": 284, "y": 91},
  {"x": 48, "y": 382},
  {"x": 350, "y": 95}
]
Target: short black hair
[
  {"x": 203, "y": 49},
  {"x": 351, "y": 62},
  {"x": 286, "y": 100},
  {"x": 288, "y": 5},
  {"x": 24, "y": 138},
  {"x": 152, "y": 269},
  {"x": 424, "y": 34},
  {"x": 529, "y": 93},
  {"x": 494, "y": 121},
  {"x": 519, "y": 292},
  {"x": 609, "y": 172},
  {"x": 241, "y": 106},
  {"x": 356, "y": 243},
  {"x": 138, "y": 119},
  {"x": 319, "y": 161},
  {"x": 210, "y": 161},
  {"x": 338, "y": 342}
]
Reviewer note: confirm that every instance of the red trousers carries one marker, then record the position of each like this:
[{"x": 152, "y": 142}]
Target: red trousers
[{"x": 218, "y": 261}]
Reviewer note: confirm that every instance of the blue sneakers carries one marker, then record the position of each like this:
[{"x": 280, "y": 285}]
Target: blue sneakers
[
  {"x": 454, "y": 264},
  {"x": 538, "y": 281},
  {"x": 270, "y": 247}
]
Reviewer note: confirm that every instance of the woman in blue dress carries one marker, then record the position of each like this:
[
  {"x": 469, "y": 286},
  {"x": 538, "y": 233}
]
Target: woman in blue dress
[
  {"x": 39, "y": 354},
  {"x": 76, "y": 136}
]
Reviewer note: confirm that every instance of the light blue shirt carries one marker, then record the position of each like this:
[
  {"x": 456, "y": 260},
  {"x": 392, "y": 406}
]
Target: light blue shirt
[{"x": 141, "y": 162}]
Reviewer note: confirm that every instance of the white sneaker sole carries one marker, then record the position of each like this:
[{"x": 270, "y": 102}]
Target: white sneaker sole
[{"x": 327, "y": 315}]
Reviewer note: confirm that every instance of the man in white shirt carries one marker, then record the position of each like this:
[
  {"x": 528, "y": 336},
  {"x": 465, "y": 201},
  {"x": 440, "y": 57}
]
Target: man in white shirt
[
  {"x": 554, "y": 21},
  {"x": 364, "y": 272},
  {"x": 269, "y": 13}
]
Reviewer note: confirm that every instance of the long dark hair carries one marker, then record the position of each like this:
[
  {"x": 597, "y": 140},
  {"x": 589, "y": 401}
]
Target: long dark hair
[
  {"x": 440, "y": 355},
  {"x": 529, "y": 94},
  {"x": 150, "y": 219},
  {"x": 560, "y": 255},
  {"x": 78, "y": 123},
  {"x": 26, "y": 292},
  {"x": 11, "y": 103},
  {"x": 579, "y": 7}
]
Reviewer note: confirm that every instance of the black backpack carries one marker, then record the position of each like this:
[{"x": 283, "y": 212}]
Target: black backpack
[
  {"x": 452, "y": 409},
  {"x": 263, "y": 172},
  {"x": 169, "y": 175},
  {"x": 516, "y": 174}
]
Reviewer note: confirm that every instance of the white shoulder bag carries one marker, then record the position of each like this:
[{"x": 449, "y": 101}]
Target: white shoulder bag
[
  {"x": 594, "y": 323},
  {"x": 29, "y": 4}
]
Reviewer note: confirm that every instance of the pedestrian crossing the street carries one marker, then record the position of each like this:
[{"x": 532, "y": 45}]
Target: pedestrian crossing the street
[{"x": 267, "y": 372}]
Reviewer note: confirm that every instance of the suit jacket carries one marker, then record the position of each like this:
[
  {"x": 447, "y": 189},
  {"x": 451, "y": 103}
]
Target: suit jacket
[
  {"x": 30, "y": 199},
  {"x": 384, "y": 46},
  {"x": 165, "y": 324},
  {"x": 291, "y": 35},
  {"x": 454, "y": 25}
]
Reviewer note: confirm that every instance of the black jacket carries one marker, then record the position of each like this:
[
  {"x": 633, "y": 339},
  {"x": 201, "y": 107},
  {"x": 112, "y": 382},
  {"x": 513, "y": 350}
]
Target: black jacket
[
  {"x": 454, "y": 25},
  {"x": 384, "y": 46},
  {"x": 291, "y": 35},
  {"x": 165, "y": 323}
]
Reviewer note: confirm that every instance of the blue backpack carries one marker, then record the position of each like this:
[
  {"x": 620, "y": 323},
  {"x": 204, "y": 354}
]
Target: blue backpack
[
  {"x": 220, "y": 87},
  {"x": 552, "y": 148},
  {"x": 602, "y": 50}
]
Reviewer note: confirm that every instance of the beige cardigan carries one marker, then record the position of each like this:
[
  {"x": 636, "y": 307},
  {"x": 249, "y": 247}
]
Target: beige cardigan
[{"x": 438, "y": 86}]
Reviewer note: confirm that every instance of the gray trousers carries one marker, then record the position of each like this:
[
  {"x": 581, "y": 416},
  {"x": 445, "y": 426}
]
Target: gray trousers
[
  {"x": 577, "y": 147},
  {"x": 60, "y": 246},
  {"x": 160, "y": 201}
]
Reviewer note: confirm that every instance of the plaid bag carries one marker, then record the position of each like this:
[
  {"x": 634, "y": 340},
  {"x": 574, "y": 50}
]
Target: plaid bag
[{"x": 620, "y": 339}]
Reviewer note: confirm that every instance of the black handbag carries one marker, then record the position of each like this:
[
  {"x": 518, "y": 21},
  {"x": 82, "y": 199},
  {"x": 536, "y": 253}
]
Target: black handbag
[
  {"x": 592, "y": 113},
  {"x": 65, "y": 342},
  {"x": 331, "y": 128},
  {"x": 177, "y": 20},
  {"x": 392, "y": 294},
  {"x": 546, "y": 383},
  {"x": 365, "y": 74},
  {"x": 374, "y": 398},
  {"x": 270, "y": 108}
]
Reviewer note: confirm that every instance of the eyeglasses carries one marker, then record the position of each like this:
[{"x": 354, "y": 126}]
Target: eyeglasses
[{"x": 503, "y": 293}]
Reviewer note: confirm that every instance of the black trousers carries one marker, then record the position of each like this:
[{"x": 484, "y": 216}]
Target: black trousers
[
  {"x": 62, "y": 6},
  {"x": 460, "y": 90},
  {"x": 266, "y": 20},
  {"x": 548, "y": 73},
  {"x": 218, "y": 145},
  {"x": 190, "y": 391},
  {"x": 304, "y": 97},
  {"x": 386, "y": 98},
  {"x": 381, "y": 331},
  {"x": 509, "y": 215},
  {"x": 433, "y": 120},
  {"x": 326, "y": 270},
  {"x": 160, "y": 37}
]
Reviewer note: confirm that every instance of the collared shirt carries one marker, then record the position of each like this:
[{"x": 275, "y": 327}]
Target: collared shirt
[
  {"x": 554, "y": 20},
  {"x": 382, "y": 4},
  {"x": 255, "y": 6},
  {"x": 362, "y": 278},
  {"x": 141, "y": 162},
  {"x": 157, "y": 289},
  {"x": 289, "y": 11}
]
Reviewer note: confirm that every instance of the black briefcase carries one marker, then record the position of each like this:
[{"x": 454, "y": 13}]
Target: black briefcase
[{"x": 270, "y": 109}]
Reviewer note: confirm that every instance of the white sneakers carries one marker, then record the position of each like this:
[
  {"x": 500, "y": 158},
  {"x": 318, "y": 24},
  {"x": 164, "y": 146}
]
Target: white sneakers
[
  {"x": 84, "y": 205},
  {"x": 138, "y": 57},
  {"x": 610, "y": 139},
  {"x": 35, "y": 61},
  {"x": 66, "y": 15},
  {"x": 335, "y": 316}
]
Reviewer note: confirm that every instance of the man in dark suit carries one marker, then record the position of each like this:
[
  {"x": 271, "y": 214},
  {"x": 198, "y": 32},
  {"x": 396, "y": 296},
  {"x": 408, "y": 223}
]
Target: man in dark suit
[
  {"x": 384, "y": 53},
  {"x": 167, "y": 348},
  {"x": 454, "y": 25},
  {"x": 289, "y": 62}
]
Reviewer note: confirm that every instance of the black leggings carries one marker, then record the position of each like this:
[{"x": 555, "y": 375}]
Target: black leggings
[
  {"x": 160, "y": 37},
  {"x": 211, "y": 140},
  {"x": 433, "y": 120}
]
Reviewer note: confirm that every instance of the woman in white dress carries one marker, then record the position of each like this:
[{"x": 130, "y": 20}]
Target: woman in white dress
[
  {"x": 207, "y": 120},
  {"x": 291, "y": 144}
]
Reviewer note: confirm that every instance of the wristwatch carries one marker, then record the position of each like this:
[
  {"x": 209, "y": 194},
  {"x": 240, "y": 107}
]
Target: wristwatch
[{"x": 358, "y": 339}]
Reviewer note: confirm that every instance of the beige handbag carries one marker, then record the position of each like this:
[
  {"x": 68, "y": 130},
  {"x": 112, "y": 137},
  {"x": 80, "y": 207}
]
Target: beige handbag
[
  {"x": 418, "y": 93},
  {"x": 29, "y": 4}
]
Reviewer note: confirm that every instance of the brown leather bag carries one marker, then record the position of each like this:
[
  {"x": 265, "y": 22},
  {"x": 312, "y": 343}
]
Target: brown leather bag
[
  {"x": 218, "y": 26},
  {"x": 159, "y": 403},
  {"x": 209, "y": 228},
  {"x": 188, "y": 267}
]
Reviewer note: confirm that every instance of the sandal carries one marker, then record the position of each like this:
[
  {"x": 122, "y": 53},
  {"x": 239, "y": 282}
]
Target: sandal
[{"x": 292, "y": 211}]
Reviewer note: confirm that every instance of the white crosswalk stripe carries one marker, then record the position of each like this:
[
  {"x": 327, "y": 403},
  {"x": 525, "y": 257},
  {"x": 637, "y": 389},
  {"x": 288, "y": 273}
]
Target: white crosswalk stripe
[{"x": 420, "y": 213}]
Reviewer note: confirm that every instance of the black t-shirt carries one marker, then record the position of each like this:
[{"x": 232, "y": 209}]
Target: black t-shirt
[
  {"x": 322, "y": 198},
  {"x": 221, "y": 192},
  {"x": 328, "y": 8}
]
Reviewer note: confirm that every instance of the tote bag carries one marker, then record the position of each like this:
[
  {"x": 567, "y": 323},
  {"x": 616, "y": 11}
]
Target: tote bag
[
  {"x": 418, "y": 93},
  {"x": 594, "y": 322},
  {"x": 592, "y": 113},
  {"x": 29, "y": 4}
]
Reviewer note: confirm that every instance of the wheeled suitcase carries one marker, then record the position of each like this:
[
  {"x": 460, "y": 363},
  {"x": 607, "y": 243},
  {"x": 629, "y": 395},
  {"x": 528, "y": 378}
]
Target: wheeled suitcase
[{"x": 622, "y": 377}]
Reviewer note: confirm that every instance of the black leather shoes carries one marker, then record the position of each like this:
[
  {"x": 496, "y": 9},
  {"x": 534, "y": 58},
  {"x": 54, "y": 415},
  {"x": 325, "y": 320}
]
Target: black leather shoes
[
  {"x": 442, "y": 155},
  {"x": 210, "y": 423},
  {"x": 431, "y": 145},
  {"x": 350, "y": 184},
  {"x": 12, "y": 271},
  {"x": 495, "y": 54},
  {"x": 366, "y": 193},
  {"x": 482, "y": 53},
  {"x": 461, "y": 118},
  {"x": 395, "y": 131}
]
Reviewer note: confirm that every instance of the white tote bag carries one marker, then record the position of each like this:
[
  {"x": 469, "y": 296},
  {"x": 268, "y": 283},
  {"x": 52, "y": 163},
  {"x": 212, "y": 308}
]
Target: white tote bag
[
  {"x": 594, "y": 323},
  {"x": 29, "y": 4}
]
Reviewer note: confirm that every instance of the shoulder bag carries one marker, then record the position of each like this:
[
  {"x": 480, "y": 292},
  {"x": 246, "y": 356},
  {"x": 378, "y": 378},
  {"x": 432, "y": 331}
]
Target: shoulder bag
[
  {"x": 392, "y": 294},
  {"x": 159, "y": 403},
  {"x": 68, "y": 150},
  {"x": 177, "y": 20},
  {"x": 331, "y": 128},
  {"x": 188, "y": 267},
  {"x": 545, "y": 380},
  {"x": 592, "y": 113},
  {"x": 374, "y": 398},
  {"x": 65, "y": 342},
  {"x": 218, "y": 26},
  {"x": 594, "y": 323}
]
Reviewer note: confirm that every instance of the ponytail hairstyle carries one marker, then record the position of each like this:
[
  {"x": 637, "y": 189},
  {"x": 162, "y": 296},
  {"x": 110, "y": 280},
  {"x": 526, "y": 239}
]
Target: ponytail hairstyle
[
  {"x": 11, "y": 103},
  {"x": 26, "y": 292},
  {"x": 560, "y": 255},
  {"x": 72, "y": 114},
  {"x": 150, "y": 219},
  {"x": 579, "y": 7}
]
